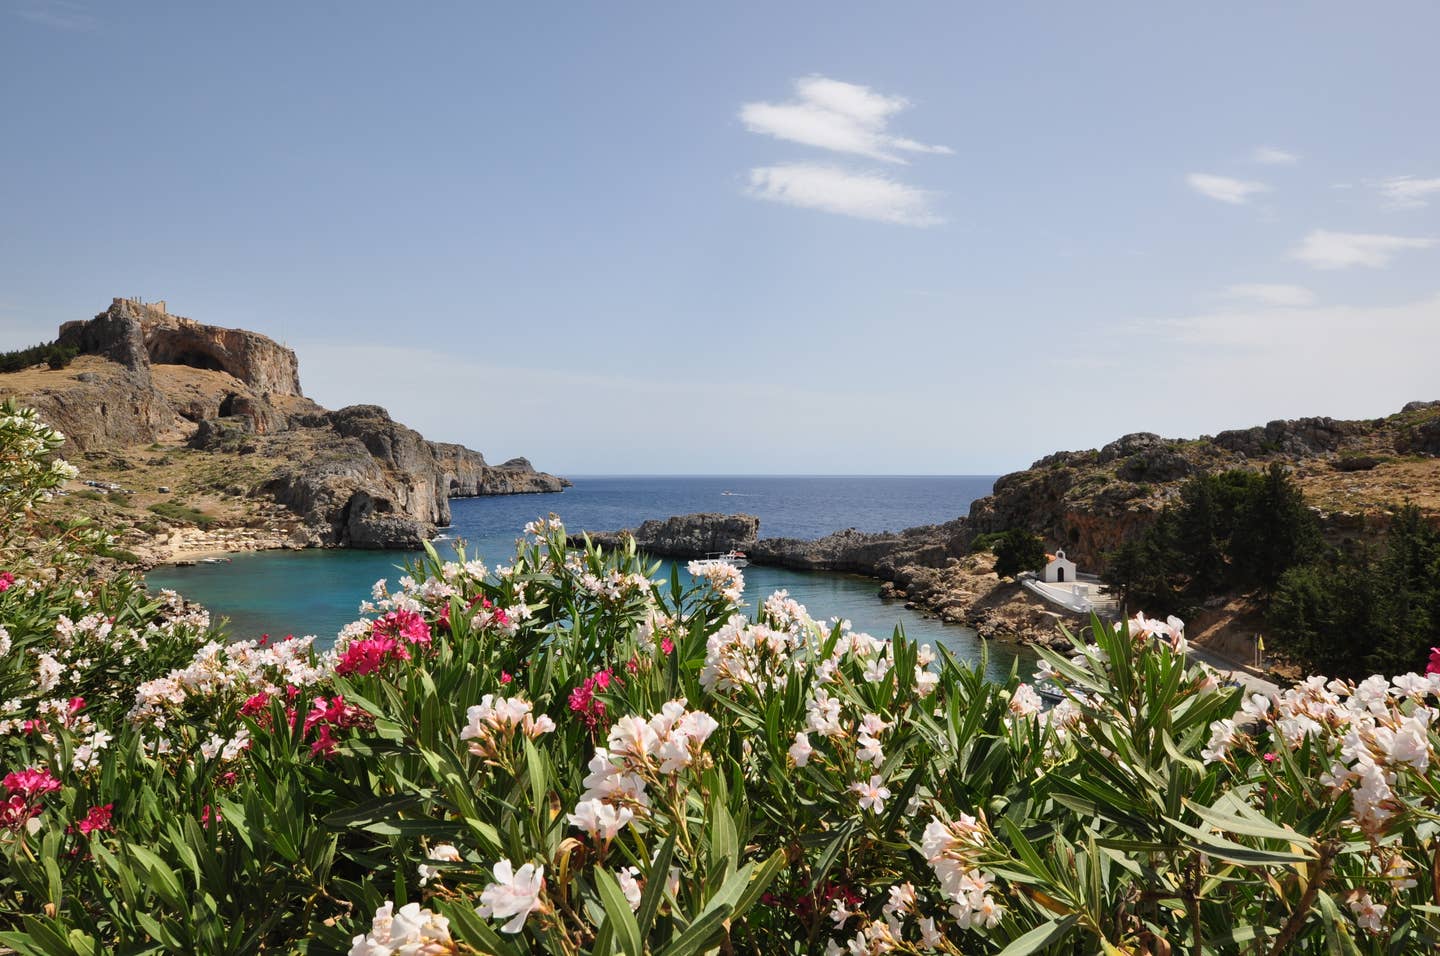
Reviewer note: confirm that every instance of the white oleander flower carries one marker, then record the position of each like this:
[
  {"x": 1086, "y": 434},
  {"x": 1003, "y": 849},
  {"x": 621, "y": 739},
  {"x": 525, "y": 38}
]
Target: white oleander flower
[
  {"x": 873, "y": 794},
  {"x": 599, "y": 819},
  {"x": 441, "y": 853},
  {"x": 514, "y": 895},
  {"x": 412, "y": 931},
  {"x": 801, "y": 750}
]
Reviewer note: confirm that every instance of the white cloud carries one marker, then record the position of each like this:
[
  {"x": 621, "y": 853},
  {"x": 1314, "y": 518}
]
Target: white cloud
[
  {"x": 1407, "y": 192},
  {"x": 838, "y": 116},
  {"x": 59, "y": 14},
  {"x": 1225, "y": 189},
  {"x": 1343, "y": 333},
  {"x": 1272, "y": 294},
  {"x": 832, "y": 189},
  {"x": 1323, "y": 249},
  {"x": 1270, "y": 156}
]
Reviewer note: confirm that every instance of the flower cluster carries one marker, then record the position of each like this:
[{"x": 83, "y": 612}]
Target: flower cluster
[
  {"x": 327, "y": 716},
  {"x": 229, "y": 671},
  {"x": 584, "y": 702},
  {"x": 23, "y": 789},
  {"x": 491, "y": 726},
  {"x": 412, "y": 931},
  {"x": 741, "y": 655},
  {"x": 952, "y": 849},
  {"x": 639, "y": 754},
  {"x": 723, "y": 578},
  {"x": 1376, "y": 733},
  {"x": 96, "y": 820},
  {"x": 402, "y": 625}
]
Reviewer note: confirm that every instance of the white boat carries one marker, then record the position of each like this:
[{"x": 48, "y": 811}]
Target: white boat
[{"x": 732, "y": 557}]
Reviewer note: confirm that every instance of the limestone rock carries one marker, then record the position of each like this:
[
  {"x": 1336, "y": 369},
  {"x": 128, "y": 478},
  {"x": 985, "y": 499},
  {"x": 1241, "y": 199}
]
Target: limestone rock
[
  {"x": 686, "y": 536},
  {"x": 355, "y": 477}
]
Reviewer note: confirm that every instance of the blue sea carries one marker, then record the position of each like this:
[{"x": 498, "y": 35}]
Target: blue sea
[{"x": 318, "y": 592}]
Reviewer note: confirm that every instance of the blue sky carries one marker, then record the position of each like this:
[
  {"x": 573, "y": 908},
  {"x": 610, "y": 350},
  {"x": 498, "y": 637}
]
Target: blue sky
[{"x": 764, "y": 238}]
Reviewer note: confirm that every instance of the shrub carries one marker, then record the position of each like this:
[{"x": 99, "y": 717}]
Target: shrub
[
  {"x": 570, "y": 755},
  {"x": 987, "y": 541},
  {"x": 53, "y": 354},
  {"x": 177, "y": 513},
  {"x": 1018, "y": 550}
]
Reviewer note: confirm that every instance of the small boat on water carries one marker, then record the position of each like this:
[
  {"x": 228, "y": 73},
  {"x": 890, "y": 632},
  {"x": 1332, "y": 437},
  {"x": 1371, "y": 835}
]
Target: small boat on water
[
  {"x": 732, "y": 557},
  {"x": 1049, "y": 693}
]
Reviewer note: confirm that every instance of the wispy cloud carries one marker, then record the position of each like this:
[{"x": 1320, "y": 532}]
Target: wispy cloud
[
  {"x": 1225, "y": 189},
  {"x": 832, "y": 189},
  {"x": 1407, "y": 192},
  {"x": 1324, "y": 249},
  {"x": 59, "y": 15},
  {"x": 1267, "y": 293},
  {"x": 1270, "y": 156},
  {"x": 838, "y": 116}
]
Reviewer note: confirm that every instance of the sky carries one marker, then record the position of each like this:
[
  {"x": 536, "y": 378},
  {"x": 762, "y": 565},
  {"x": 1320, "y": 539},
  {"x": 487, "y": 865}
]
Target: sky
[{"x": 910, "y": 238}]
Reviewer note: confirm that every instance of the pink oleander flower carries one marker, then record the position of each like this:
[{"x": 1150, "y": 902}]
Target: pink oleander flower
[
  {"x": 1434, "y": 666},
  {"x": 667, "y": 645},
  {"x": 256, "y": 705},
  {"x": 31, "y": 782},
  {"x": 6, "y": 580},
  {"x": 407, "y": 625},
  {"x": 97, "y": 820},
  {"x": 16, "y": 811},
  {"x": 327, "y": 716},
  {"x": 506, "y": 677},
  {"x": 584, "y": 702},
  {"x": 368, "y": 655}
]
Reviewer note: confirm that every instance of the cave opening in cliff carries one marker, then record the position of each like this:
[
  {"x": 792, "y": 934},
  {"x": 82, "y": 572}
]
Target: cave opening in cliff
[{"x": 193, "y": 358}]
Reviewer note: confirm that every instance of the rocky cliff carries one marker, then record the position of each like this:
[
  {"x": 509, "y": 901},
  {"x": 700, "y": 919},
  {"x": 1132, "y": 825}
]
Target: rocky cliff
[{"x": 151, "y": 389}]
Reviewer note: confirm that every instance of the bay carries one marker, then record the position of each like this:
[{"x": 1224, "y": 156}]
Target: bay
[{"x": 319, "y": 591}]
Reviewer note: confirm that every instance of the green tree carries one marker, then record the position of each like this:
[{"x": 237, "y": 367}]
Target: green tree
[
  {"x": 1201, "y": 536},
  {"x": 1018, "y": 550},
  {"x": 1406, "y": 621},
  {"x": 1274, "y": 531},
  {"x": 1146, "y": 570}
]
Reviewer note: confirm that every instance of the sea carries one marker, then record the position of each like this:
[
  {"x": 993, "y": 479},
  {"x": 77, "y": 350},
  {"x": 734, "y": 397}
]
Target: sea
[{"x": 319, "y": 591}]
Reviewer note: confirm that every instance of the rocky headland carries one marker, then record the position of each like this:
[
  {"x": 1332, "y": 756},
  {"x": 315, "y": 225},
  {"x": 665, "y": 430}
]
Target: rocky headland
[
  {"x": 1353, "y": 474},
  {"x": 195, "y": 439}
]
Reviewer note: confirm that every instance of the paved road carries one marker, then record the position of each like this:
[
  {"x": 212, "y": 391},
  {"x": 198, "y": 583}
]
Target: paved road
[{"x": 1229, "y": 668}]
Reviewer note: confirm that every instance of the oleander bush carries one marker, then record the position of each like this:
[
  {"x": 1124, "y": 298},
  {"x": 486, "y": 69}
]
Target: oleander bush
[{"x": 568, "y": 754}]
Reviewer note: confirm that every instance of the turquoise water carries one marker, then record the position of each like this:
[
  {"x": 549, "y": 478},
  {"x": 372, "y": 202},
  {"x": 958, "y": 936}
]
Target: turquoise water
[{"x": 318, "y": 592}]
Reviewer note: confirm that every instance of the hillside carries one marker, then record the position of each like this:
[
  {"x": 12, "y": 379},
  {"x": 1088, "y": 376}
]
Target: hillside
[
  {"x": 1354, "y": 475},
  {"x": 194, "y": 438}
]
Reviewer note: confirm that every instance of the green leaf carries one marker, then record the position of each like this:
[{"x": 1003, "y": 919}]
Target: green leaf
[
  {"x": 699, "y": 933},
  {"x": 617, "y": 911},
  {"x": 655, "y": 885},
  {"x": 1232, "y": 852},
  {"x": 759, "y": 883},
  {"x": 164, "y": 881},
  {"x": 1041, "y": 936},
  {"x": 1233, "y": 815}
]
